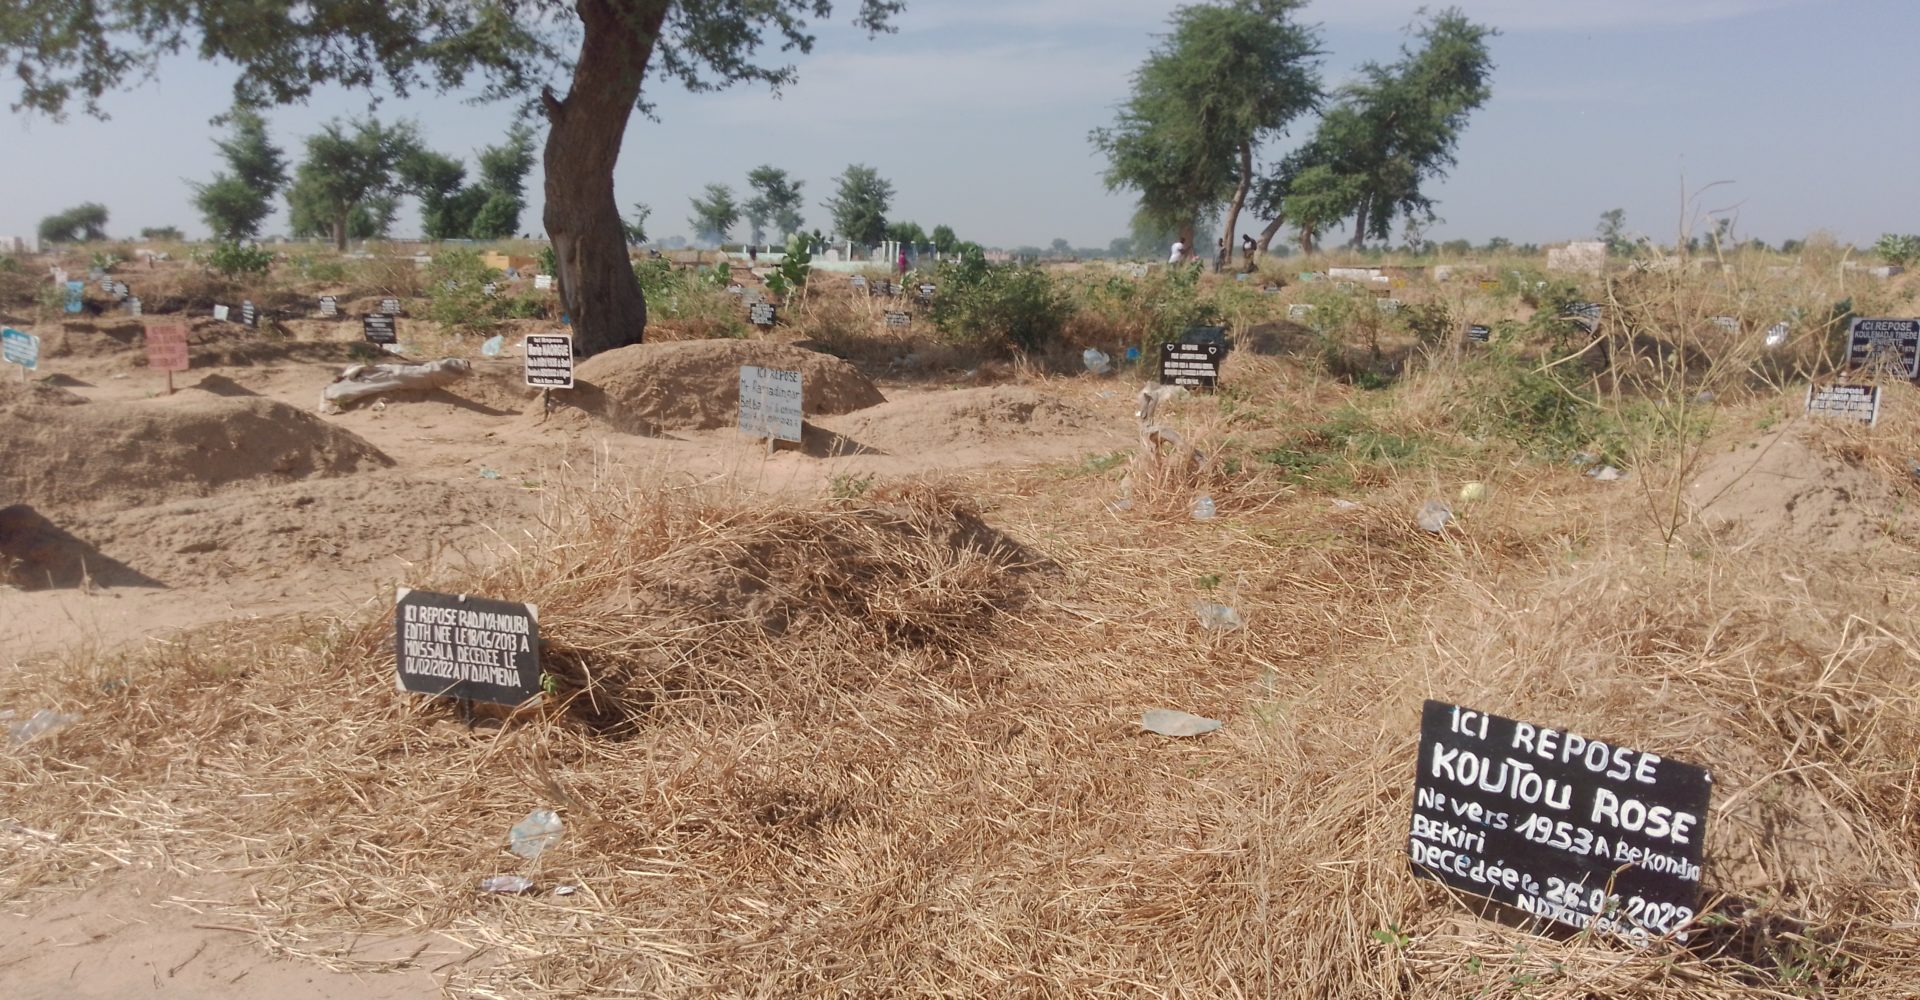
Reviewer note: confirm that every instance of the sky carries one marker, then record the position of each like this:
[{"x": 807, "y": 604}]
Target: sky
[{"x": 978, "y": 112}]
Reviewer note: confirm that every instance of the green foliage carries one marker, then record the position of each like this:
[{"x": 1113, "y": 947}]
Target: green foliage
[
  {"x": 348, "y": 185},
  {"x": 456, "y": 291},
  {"x": 998, "y": 306},
  {"x": 790, "y": 275},
  {"x": 1613, "y": 230},
  {"x": 84, "y": 223},
  {"x": 320, "y": 267},
  {"x": 1227, "y": 78},
  {"x": 232, "y": 259},
  {"x": 637, "y": 229},
  {"x": 170, "y": 234},
  {"x": 944, "y": 239},
  {"x": 1392, "y": 130},
  {"x": 859, "y": 205},
  {"x": 776, "y": 199},
  {"x": 1898, "y": 249},
  {"x": 714, "y": 215},
  {"x": 906, "y": 232},
  {"x": 549, "y": 264},
  {"x": 1155, "y": 310},
  {"x": 1329, "y": 454},
  {"x": 238, "y": 199}
]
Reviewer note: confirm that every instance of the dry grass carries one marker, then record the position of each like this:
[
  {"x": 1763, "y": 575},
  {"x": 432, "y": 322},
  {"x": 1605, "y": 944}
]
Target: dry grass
[{"x": 888, "y": 746}]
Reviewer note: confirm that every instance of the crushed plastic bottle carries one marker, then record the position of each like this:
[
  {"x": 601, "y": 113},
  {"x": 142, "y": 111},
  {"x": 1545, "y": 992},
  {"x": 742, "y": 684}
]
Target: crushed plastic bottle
[
  {"x": 43, "y": 721},
  {"x": 1204, "y": 509},
  {"x": 1217, "y": 617},
  {"x": 1175, "y": 723},
  {"x": 539, "y": 831},
  {"x": 1607, "y": 474},
  {"x": 493, "y": 345},
  {"x": 1433, "y": 516},
  {"x": 506, "y": 885},
  {"x": 1096, "y": 361}
]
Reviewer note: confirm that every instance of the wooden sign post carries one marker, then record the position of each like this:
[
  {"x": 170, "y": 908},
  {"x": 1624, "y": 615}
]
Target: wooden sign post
[{"x": 167, "y": 350}]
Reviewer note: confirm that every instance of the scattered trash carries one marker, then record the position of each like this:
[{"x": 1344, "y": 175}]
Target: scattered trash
[
  {"x": 1345, "y": 505},
  {"x": 1171, "y": 722},
  {"x": 1218, "y": 617},
  {"x": 1204, "y": 509},
  {"x": 379, "y": 406},
  {"x": 1776, "y": 334},
  {"x": 1106, "y": 394},
  {"x": 39, "y": 723},
  {"x": 1096, "y": 361},
  {"x": 1583, "y": 458},
  {"x": 1433, "y": 516},
  {"x": 1913, "y": 467},
  {"x": 491, "y": 348},
  {"x": 1472, "y": 492},
  {"x": 506, "y": 885},
  {"x": 1119, "y": 505},
  {"x": 486, "y": 473},
  {"x": 539, "y": 831},
  {"x": 565, "y": 890},
  {"x": 1133, "y": 354},
  {"x": 1607, "y": 474},
  {"x": 1705, "y": 396}
]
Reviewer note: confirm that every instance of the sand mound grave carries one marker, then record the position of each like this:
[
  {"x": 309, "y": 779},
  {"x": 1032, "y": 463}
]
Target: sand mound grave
[
  {"x": 966, "y": 418},
  {"x": 695, "y": 384},
  {"x": 1785, "y": 489},
  {"x": 146, "y": 451}
]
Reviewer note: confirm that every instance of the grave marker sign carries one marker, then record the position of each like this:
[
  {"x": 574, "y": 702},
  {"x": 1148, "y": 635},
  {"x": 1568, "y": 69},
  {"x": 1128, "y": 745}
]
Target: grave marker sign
[
  {"x": 1894, "y": 342},
  {"x": 329, "y": 307},
  {"x": 1479, "y": 334},
  {"x": 1194, "y": 363},
  {"x": 379, "y": 329},
  {"x": 466, "y": 647},
  {"x": 19, "y": 348},
  {"x": 897, "y": 320},
  {"x": 771, "y": 404},
  {"x": 390, "y": 306},
  {"x": 549, "y": 360},
  {"x": 1849, "y": 402},
  {"x": 1568, "y": 829},
  {"x": 761, "y": 314}
]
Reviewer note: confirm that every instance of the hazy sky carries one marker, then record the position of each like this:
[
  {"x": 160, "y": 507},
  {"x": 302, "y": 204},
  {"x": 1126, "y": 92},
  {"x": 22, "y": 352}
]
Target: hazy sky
[{"x": 978, "y": 112}]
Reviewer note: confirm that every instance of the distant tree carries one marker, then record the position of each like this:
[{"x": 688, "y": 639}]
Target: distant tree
[
  {"x": 1457, "y": 248},
  {"x": 637, "y": 229},
  {"x": 1396, "y": 128},
  {"x": 348, "y": 186},
  {"x": 714, "y": 215},
  {"x": 906, "y": 232},
  {"x": 503, "y": 179},
  {"x": 859, "y": 205},
  {"x": 447, "y": 207},
  {"x": 1121, "y": 247},
  {"x": 1792, "y": 248},
  {"x": 1497, "y": 244},
  {"x": 944, "y": 239},
  {"x": 83, "y": 223},
  {"x": 170, "y": 234},
  {"x": 1060, "y": 247},
  {"x": 1228, "y": 77},
  {"x": 239, "y": 198},
  {"x": 776, "y": 199},
  {"x": 1612, "y": 229}
]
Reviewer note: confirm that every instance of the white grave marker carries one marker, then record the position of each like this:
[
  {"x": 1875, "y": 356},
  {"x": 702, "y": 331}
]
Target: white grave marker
[
  {"x": 770, "y": 404},
  {"x": 1851, "y": 402},
  {"x": 21, "y": 349}
]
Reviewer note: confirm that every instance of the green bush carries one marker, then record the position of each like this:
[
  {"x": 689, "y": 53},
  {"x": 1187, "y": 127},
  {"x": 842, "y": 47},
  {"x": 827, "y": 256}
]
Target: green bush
[
  {"x": 1898, "y": 249},
  {"x": 324, "y": 267},
  {"x": 994, "y": 307},
  {"x": 233, "y": 259},
  {"x": 456, "y": 291},
  {"x": 790, "y": 275}
]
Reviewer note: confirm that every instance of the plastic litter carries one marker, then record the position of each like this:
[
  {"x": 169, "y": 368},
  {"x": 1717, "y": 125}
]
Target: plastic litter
[
  {"x": 1096, "y": 361},
  {"x": 491, "y": 348},
  {"x": 565, "y": 890},
  {"x": 1607, "y": 474},
  {"x": 1218, "y": 617},
  {"x": 1133, "y": 354},
  {"x": 39, "y": 723},
  {"x": 486, "y": 473},
  {"x": 506, "y": 885},
  {"x": 1472, "y": 492},
  {"x": 1175, "y": 723},
  {"x": 1776, "y": 334},
  {"x": 1434, "y": 516},
  {"x": 1345, "y": 505},
  {"x": 1204, "y": 509},
  {"x": 539, "y": 831}
]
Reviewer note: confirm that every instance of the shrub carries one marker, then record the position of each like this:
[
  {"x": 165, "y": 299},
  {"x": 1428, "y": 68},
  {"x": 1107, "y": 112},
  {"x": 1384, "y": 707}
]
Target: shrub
[
  {"x": 324, "y": 267},
  {"x": 456, "y": 291},
  {"x": 1898, "y": 249},
  {"x": 986, "y": 306},
  {"x": 232, "y": 259}
]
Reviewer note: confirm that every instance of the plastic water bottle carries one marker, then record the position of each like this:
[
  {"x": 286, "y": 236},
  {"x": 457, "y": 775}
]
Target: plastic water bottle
[
  {"x": 539, "y": 831},
  {"x": 1096, "y": 360},
  {"x": 1218, "y": 617},
  {"x": 1204, "y": 509}
]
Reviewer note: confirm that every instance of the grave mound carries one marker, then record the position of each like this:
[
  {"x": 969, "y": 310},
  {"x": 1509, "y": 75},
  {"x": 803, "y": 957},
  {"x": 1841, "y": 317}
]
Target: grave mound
[
  {"x": 969, "y": 417},
  {"x": 1787, "y": 489},
  {"x": 695, "y": 384},
  {"x": 139, "y": 452}
]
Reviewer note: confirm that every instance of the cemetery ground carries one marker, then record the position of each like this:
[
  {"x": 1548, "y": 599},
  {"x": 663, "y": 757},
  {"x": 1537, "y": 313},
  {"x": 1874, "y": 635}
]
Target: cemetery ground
[{"x": 862, "y": 715}]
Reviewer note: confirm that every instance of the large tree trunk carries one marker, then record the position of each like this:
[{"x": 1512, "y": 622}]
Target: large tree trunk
[
  {"x": 1360, "y": 223},
  {"x": 1239, "y": 199},
  {"x": 597, "y": 286},
  {"x": 1272, "y": 230},
  {"x": 340, "y": 233}
]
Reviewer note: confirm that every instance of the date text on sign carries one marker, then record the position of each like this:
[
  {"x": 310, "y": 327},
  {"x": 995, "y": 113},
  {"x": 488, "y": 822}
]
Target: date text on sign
[{"x": 1575, "y": 831}]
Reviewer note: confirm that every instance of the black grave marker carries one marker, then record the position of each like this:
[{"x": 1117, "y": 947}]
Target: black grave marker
[
  {"x": 466, "y": 647},
  {"x": 1894, "y": 342},
  {"x": 379, "y": 329},
  {"x": 1571, "y": 830}
]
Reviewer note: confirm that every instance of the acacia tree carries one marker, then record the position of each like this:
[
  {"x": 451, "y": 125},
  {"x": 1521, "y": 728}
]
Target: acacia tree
[
  {"x": 584, "y": 61},
  {"x": 637, "y": 229},
  {"x": 776, "y": 199},
  {"x": 349, "y": 184},
  {"x": 238, "y": 199},
  {"x": 1397, "y": 127},
  {"x": 1229, "y": 77},
  {"x": 503, "y": 185},
  {"x": 714, "y": 215},
  {"x": 859, "y": 205},
  {"x": 83, "y": 223}
]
